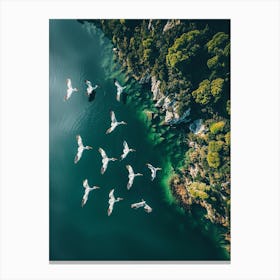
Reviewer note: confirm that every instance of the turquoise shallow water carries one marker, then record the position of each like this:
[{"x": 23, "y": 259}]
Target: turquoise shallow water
[{"x": 81, "y": 52}]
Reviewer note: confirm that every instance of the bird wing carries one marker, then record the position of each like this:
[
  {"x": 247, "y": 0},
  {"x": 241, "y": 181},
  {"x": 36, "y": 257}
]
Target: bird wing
[
  {"x": 104, "y": 167},
  {"x": 78, "y": 155},
  {"x": 130, "y": 182},
  {"x": 113, "y": 117},
  {"x": 153, "y": 174},
  {"x": 110, "y": 209},
  {"x": 150, "y": 166},
  {"x": 117, "y": 84},
  {"x": 118, "y": 96},
  {"x": 88, "y": 83},
  {"x": 79, "y": 140},
  {"x": 147, "y": 208},
  {"x": 125, "y": 146},
  {"x": 109, "y": 130},
  {"x": 68, "y": 82},
  {"x": 111, "y": 194},
  {"x": 130, "y": 169},
  {"x": 85, "y": 184},
  {"x": 102, "y": 152}
]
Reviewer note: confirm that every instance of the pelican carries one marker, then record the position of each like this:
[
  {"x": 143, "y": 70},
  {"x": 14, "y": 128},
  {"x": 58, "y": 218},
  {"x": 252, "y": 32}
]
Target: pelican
[
  {"x": 81, "y": 148},
  {"x": 105, "y": 160},
  {"x": 90, "y": 88},
  {"x": 131, "y": 176},
  {"x": 114, "y": 123},
  {"x": 153, "y": 170},
  {"x": 112, "y": 201},
  {"x": 70, "y": 89},
  {"x": 142, "y": 203},
  {"x": 138, "y": 204},
  {"x": 119, "y": 89},
  {"x": 126, "y": 150},
  {"x": 88, "y": 189}
]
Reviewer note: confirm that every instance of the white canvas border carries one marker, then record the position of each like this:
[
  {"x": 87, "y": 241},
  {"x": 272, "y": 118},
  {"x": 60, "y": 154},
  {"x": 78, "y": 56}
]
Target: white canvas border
[{"x": 255, "y": 138}]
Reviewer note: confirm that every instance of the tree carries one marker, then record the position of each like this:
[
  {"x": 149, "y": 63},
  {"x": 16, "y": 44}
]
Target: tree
[
  {"x": 215, "y": 146},
  {"x": 213, "y": 159},
  {"x": 217, "y": 88},
  {"x": 202, "y": 94},
  {"x": 199, "y": 190},
  {"x": 184, "y": 48},
  {"x": 219, "y": 41},
  {"x": 217, "y": 127}
]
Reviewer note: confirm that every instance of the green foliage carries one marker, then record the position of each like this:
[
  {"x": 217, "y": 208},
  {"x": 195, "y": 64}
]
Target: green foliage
[
  {"x": 228, "y": 107},
  {"x": 213, "y": 159},
  {"x": 217, "y": 42},
  {"x": 227, "y": 50},
  {"x": 208, "y": 90},
  {"x": 184, "y": 48},
  {"x": 217, "y": 127},
  {"x": 147, "y": 43},
  {"x": 213, "y": 62},
  {"x": 217, "y": 87},
  {"x": 227, "y": 138},
  {"x": 199, "y": 190},
  {"x": 215, "y": 146},
  {"x": 202, "y": 95}
]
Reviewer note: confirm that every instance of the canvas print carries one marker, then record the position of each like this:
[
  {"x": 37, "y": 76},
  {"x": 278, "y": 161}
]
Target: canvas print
[{"x": 139, "y": 140}]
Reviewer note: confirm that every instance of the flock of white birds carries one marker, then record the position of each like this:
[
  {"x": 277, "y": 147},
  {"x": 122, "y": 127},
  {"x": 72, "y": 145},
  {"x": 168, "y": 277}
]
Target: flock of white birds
[{"x": 105, "y": 159}]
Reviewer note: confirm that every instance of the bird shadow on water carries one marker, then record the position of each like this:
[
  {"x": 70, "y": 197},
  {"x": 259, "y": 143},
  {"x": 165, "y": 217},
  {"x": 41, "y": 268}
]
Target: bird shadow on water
[{"x": 92, "y": 96}]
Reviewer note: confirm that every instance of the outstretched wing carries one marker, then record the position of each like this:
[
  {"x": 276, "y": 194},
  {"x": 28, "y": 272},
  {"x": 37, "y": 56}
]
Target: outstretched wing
[
  {"x": 113, "y": 117},
  {"x": 109, "y": 130},
  {"x": 147, "y": 208},
  {"x": 85, "y": 184},
  {"x": 130, "y": 169},
  {"x": 117, "y": 84},
  {"x": 102, "y": 152},
  {"x": 79, "y": 140},
  {"x": 68, "y": 83},
  {"x": 110, "y": 209},
  {"x": 88, "y": 83},
  {"x": 125, "y": 146},
  {"x": 150, "y": 166},
  {"x": 111, "y": 194}
]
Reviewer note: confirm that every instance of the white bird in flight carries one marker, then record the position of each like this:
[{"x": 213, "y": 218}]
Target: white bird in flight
[
  {"x": 105, "y": 160},
  {"x": 131, "y": 176},
  {"x": 153, "y": 170},
  {"x": 90, "y": 88},
  {"x": 70, "y": 89},
  {"x": 112, "y": 201},
  {"x": 114, "y": 123},
  {"x": 142, "y": 203},
  {"x": 88, "y": 189},
  {"x": 81, "y": 148},
  {"x": 119, "y": 89},
  {"x": 138, "y": 204},
  {"x": 126, "y": 150}
]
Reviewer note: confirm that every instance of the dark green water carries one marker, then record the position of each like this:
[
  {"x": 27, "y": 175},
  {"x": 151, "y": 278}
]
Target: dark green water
[{"x": 76, "y": 233}]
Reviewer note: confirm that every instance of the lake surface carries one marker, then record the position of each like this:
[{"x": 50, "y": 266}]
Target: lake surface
[{"x": 81, "y": 52}]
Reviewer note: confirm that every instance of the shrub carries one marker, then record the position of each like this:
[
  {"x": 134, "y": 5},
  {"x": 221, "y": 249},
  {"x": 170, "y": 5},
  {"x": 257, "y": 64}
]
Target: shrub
[{"x": 217, "y": 127}]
